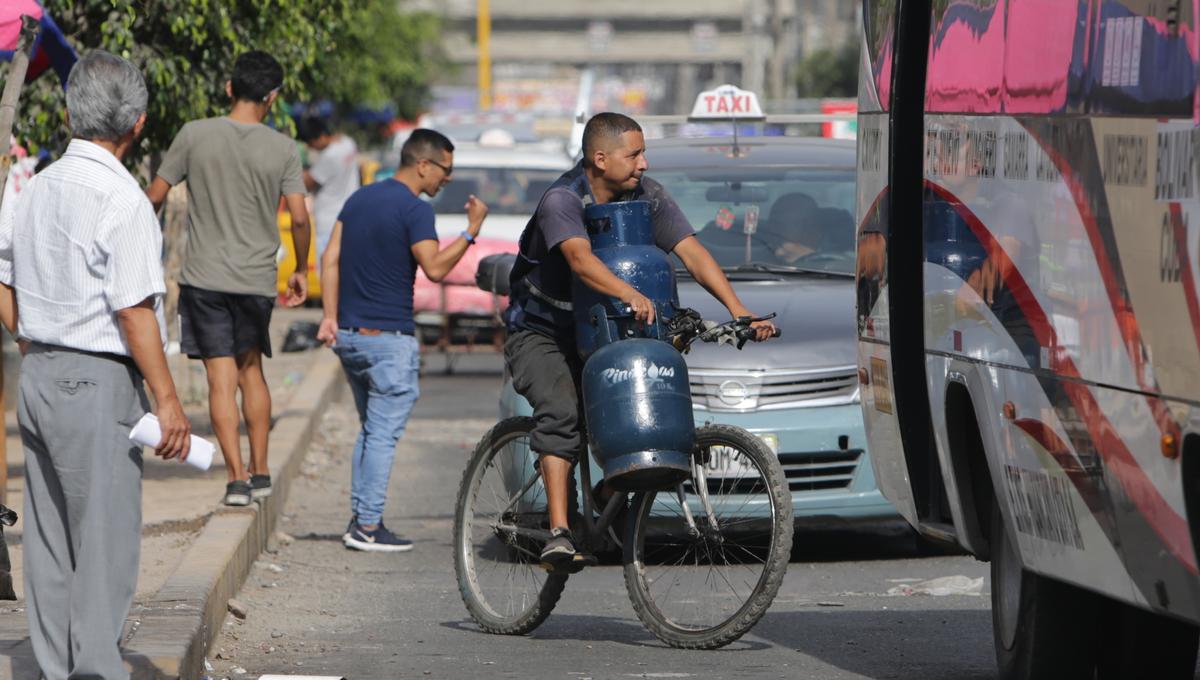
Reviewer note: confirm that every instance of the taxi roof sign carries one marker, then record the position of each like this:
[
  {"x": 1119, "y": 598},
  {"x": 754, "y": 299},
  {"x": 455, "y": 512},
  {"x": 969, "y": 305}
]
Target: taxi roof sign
[{"x": 726, "y": 102}]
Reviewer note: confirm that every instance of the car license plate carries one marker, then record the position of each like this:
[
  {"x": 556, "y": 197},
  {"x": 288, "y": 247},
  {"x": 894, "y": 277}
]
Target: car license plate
[{"x": 726, "y": 463}]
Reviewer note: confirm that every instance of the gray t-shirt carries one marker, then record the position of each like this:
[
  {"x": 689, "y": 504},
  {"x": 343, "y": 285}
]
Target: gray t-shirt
[
  {"x": 236, "y": 173},
  {"x": 560, "y": 216}
]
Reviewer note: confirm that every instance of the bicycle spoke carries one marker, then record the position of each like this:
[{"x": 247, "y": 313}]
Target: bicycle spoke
[{"x": 503, "y": 505}]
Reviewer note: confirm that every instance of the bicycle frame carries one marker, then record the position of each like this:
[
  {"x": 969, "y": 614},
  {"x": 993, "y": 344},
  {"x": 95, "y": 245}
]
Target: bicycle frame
[{"x": 594, "y": 528}]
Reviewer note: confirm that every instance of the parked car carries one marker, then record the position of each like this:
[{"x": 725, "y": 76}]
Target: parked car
[{"x": 776, "y": 213}]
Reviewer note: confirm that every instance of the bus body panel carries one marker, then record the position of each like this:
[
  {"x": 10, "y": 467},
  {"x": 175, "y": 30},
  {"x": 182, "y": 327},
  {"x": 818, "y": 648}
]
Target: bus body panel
[{"x": 1061, "y": 279}]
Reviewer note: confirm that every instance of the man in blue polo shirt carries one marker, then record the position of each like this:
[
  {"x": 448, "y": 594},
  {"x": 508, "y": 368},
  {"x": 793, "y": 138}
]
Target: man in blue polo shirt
[{"x": 383, "y": 233}]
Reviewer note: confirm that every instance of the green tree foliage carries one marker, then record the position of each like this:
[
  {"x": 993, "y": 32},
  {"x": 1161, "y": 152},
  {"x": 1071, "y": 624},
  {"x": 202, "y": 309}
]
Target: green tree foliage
[
  {"x": 337, "y": 49},
  {"x": 829, "y": 73},
  {"x": 386, "y": 57}
]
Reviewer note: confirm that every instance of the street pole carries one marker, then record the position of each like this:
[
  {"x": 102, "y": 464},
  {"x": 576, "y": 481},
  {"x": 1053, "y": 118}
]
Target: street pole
[
  {"x": 8, "y": 112},
  {"x": 483, "y": 37},
  {"x": 754, "y": 62},
  {"x": 778, "y": 67}
]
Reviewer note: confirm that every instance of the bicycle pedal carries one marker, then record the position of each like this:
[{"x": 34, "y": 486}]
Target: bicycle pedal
[{"x": 574, "y": 566}]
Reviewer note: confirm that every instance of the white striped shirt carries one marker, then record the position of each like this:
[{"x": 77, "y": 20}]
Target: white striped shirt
[{"x": 82, "y": 243}]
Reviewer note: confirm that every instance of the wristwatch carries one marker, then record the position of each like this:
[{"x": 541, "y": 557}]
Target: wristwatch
[{"x": 467, "y": 235}]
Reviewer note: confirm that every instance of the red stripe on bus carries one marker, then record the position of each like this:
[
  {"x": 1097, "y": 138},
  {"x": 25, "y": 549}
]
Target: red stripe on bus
[
  {"x": 1185, "y": 269},
  {"x": 1168, "y": 524},
  {"x": 1127, "y": 323},
  {"x": 1045, "y": 435}
]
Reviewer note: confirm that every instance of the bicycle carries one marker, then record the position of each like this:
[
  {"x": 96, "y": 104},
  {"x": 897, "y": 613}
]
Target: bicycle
[{"x": 726, "y": 530}]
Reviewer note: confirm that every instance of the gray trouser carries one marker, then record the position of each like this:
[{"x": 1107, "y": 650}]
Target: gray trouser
[{"x": 83, "y": 508}]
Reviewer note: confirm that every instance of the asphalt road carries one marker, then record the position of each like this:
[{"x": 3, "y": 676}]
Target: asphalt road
[{"x": 315, "y": 608}]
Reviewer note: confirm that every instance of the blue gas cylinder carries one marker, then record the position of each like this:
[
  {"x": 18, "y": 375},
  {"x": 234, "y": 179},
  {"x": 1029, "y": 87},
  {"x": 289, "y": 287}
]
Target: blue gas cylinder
[
  {"x": 639, "y": 414},
  {"x": 622, "y": 236}
]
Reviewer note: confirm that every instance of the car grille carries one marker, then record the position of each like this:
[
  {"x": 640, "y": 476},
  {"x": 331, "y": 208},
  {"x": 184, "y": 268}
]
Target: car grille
[
  {"x": 765, "y": 390},
  {"x": 819, "y": 471}
]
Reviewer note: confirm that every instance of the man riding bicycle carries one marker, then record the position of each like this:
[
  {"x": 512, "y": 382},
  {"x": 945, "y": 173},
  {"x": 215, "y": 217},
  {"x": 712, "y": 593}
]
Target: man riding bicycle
[{"x": 540, "y": 351}]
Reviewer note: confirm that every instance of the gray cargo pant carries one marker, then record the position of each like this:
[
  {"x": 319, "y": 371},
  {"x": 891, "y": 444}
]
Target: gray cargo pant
[{"x": 83, "y": 507}]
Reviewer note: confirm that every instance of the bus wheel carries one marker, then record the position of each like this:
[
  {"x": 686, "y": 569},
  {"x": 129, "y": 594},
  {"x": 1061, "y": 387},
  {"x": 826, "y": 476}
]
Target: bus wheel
[
  {"x": 1142, "y": 644},
  {"x": 1042, "y": 628}
]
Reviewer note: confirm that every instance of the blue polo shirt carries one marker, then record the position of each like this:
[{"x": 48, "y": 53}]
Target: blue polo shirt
[{"x": 376, "y": 267}]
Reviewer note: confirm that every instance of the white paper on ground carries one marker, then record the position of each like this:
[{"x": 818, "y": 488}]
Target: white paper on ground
[
  {"x": 301, "y": 677},
  {"x": 148, "y": 433}
]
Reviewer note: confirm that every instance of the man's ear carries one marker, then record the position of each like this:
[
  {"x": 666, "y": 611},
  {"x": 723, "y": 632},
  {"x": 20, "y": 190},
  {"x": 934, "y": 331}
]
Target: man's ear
[
  {"x": 229, "y": 88},
  {"x": 600, "y": 160},
  {"x": 139, "y": 125},
  {"x": 271, "y": 99}
]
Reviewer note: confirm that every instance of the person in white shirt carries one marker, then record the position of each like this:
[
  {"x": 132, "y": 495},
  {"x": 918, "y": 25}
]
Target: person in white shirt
[
  {"x": 332, "y": 177},
  {"x": 81, "y": 285}
]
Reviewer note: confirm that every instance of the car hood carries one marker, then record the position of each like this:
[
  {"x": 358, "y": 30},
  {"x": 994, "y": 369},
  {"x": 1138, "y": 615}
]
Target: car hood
[{"x": 815, "y": 315}]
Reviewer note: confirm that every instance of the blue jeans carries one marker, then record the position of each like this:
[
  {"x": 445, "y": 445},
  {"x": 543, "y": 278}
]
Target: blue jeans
[{"x": 382, "y": 371}]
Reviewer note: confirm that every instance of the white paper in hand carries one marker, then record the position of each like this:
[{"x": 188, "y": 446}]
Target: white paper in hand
[{"x": 148, "y": 433}]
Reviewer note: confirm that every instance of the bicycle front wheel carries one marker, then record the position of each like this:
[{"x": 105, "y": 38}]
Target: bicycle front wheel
[
  {"x": 499, "y": 522},
  {"x": 704, "y": 561}
]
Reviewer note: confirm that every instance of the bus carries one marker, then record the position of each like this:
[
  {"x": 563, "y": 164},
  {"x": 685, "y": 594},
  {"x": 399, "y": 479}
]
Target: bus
[{"x": 1028, "y": 314}]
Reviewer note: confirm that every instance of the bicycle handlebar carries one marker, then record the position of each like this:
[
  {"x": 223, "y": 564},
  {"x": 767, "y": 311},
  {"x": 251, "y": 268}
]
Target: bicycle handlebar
[{"x": 687, "y": 326}]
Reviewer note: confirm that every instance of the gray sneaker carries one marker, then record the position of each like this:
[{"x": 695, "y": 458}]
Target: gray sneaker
[
  {"x": 237, "y": 493},
  {"x": 560, "y": 548},
  {"x": 260, "y": 486}
]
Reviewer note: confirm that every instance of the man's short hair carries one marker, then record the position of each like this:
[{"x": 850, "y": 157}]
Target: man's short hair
[
  {"x": 311, "y": 128},
  {"x": 423, "y": 144},
  {"x": 602, "y": 128},
  {"x": 255, "y": 75},
  {"x": 105, "y": 96}
]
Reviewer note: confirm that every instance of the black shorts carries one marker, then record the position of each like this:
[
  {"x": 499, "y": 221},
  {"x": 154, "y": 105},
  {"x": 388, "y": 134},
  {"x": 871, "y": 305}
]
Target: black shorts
[
  {"x": 547, "y": 372},
  {"x": 213, "y": 324}
]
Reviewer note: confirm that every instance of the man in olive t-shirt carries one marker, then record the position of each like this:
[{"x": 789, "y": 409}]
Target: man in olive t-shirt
[{"x": 236, "y": 170}]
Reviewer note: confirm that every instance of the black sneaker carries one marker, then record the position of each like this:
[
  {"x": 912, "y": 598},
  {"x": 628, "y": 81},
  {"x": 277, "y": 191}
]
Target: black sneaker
[
  {"x": 238, "y": 493},
  {"x": 560, "y": 548},
  {"x": 349, "y": 528},
  {"x": 260, "y": 486},
  {"x": 377, "y": 540}
]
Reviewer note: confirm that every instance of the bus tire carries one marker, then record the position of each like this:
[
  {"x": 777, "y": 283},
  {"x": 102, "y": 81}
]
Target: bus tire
[
  {"x": 1143, "y": 644},
  {"x": 1042, "y": 628}
]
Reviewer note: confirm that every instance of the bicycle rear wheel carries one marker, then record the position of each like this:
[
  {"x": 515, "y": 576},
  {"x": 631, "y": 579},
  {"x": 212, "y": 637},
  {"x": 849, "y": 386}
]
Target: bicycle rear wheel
[
  {"x": 700, "y": 572},
  {"x": 499, "y": 520}
]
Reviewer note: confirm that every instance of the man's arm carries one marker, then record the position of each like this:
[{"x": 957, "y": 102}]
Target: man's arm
[
  {"x": 301, "y": 238},
  {"x": 157, "y": 192},
  {"x": 330, "y": 281},
  {"x": 140, "y": 328},
  {"x": 704, "y": 268},
  {"x": 597, "y": 276},
  {"x": 437, "y": 263},
  {"x": 8, "y": 308},
  {"x": 311, "y": 184},
  {"x": 173, "y": 169}
]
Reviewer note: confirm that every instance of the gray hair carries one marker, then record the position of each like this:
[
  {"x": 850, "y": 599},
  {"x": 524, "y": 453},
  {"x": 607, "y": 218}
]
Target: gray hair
[{"x": 105, "y": 96}]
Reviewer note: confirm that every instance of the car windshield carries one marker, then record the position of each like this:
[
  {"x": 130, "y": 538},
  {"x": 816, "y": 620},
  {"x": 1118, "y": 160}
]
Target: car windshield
[
  {"x": 769, "y": 218},
  {"x": 507, "y": 191}
]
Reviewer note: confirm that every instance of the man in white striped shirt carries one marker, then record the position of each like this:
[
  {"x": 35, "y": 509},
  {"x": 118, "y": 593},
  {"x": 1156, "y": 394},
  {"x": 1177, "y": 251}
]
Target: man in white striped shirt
[{"x": 80, "y": 260}]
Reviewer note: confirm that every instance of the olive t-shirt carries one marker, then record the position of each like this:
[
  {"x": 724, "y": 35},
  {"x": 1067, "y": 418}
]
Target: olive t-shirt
[{"x": 236, "y": 173}]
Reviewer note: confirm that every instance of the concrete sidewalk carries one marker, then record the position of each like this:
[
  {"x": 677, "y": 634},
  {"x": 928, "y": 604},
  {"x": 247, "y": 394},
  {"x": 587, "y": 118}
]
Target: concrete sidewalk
[{"x": 195, "y": 552}]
